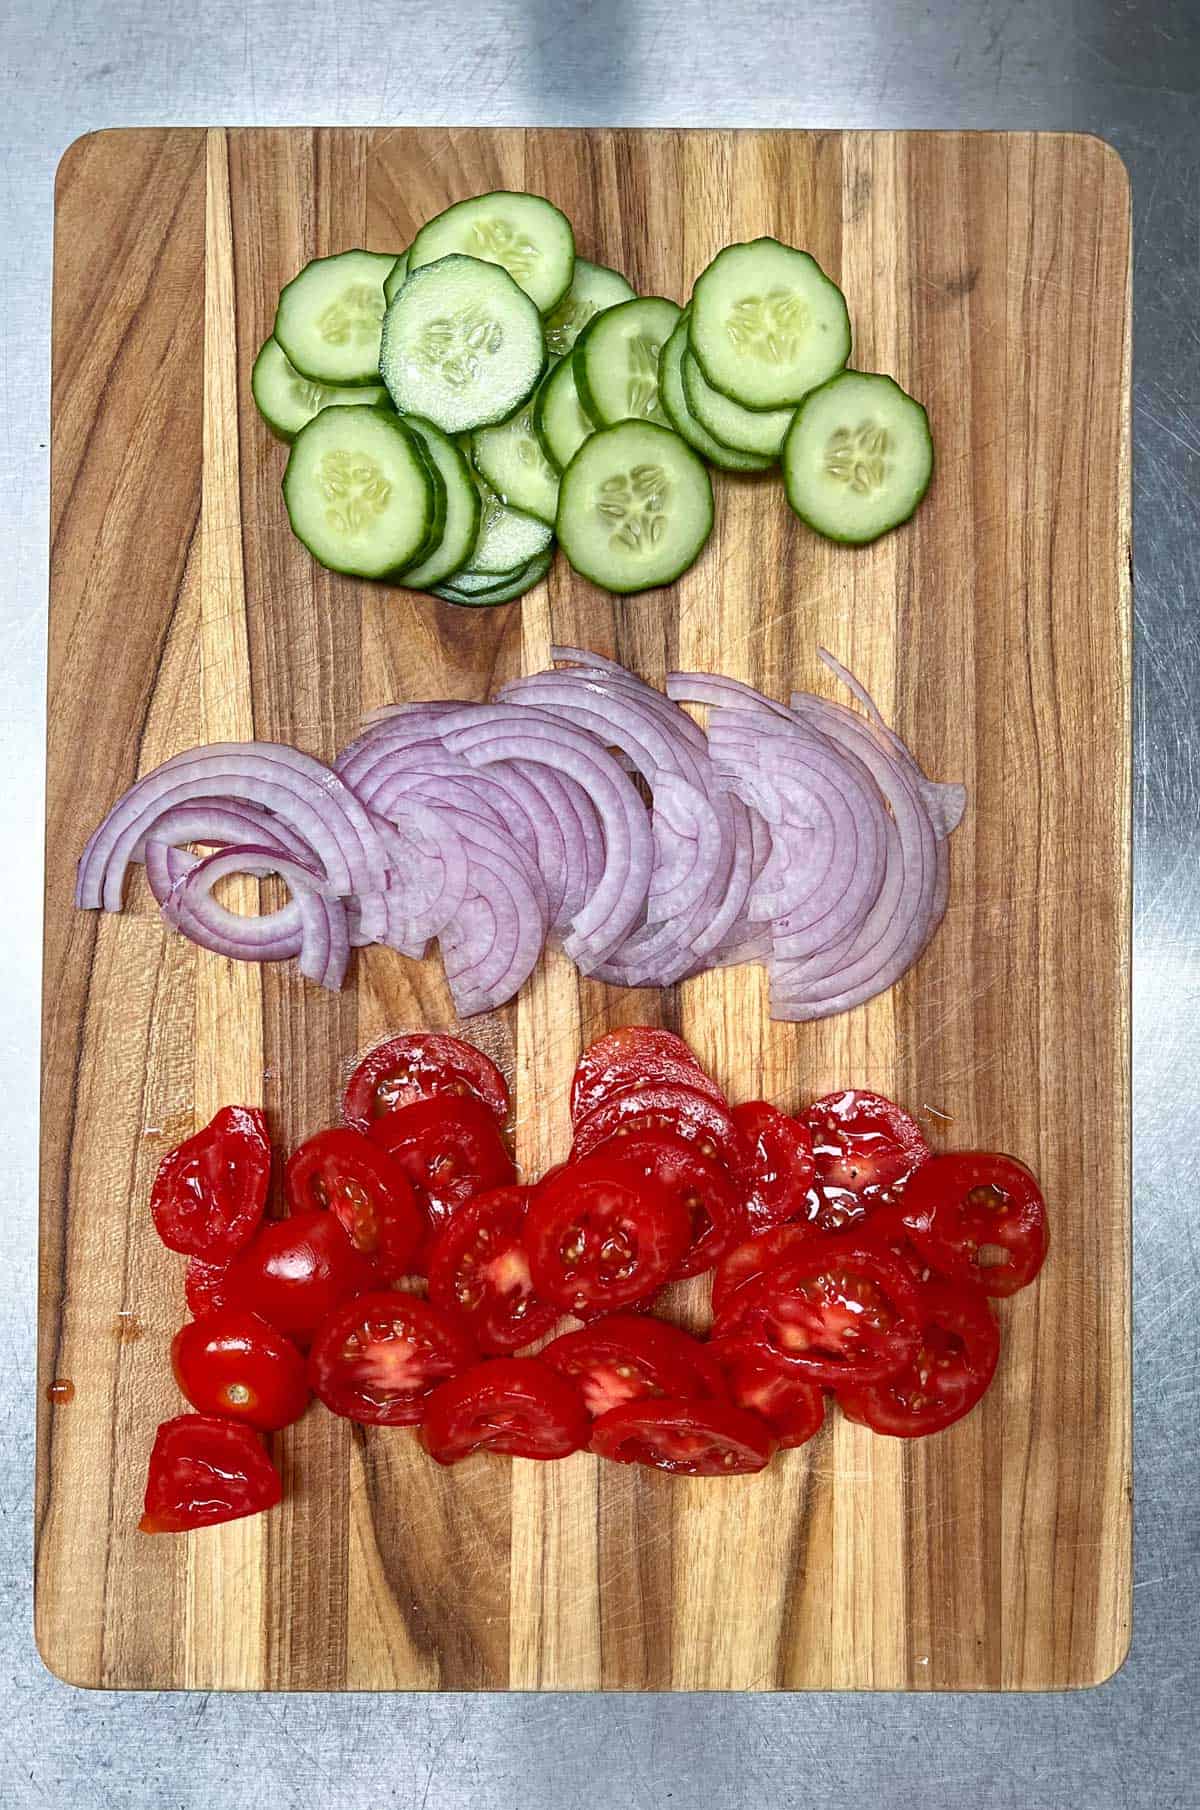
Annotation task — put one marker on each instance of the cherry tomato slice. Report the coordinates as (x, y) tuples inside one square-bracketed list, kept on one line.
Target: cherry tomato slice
[(601, 1233), (954, 1363), (296, 1271), (209, 1193), (685, 1112), (623, 1358), (204, 1286), (792, 1408), (756, 1255), (420, 1066), (512, 1405), (705, 1188), (888, 1230), (778, 1168), (204, 1470), (450, 1149), (687, 1438), (631, 1057), (840, 1310), (478, 1267), (379, 1358), (233, 1363), (352, 1177), (971, 1205), (865, 1148)]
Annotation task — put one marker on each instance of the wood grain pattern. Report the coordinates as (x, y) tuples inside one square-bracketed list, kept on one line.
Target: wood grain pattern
[(990, 274)]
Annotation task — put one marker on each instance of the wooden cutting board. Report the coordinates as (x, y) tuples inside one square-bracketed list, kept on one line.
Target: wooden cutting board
[(991, 275)]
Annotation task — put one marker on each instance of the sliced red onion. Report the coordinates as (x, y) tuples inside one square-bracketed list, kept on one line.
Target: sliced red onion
[(322, 942)]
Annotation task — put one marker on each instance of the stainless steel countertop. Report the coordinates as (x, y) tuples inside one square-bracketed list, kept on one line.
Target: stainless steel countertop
[(1126, 69)]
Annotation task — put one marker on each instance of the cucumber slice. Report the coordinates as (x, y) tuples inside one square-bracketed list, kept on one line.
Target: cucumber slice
[(328, 317), (635, 507), (594, 287), (767, 324), (511, 459), (286, 400), (616, 360), (858, 458), (462, 345), (674, 401), (526, 234), (460, 529), (507, 538), (759, 431), (514, 587), (360, 493), (395, 278), (559, 420)]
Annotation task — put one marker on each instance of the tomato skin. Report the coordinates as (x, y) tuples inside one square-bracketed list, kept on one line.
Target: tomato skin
[(450, 1149), (204, 1470), (686, 1438), (511, 1405), (296, 1271), (866, 1149), (204, 1286), (757, 1255), (421, 1066), (478, 1267), (210, 1191), (348, 1174), (961, 1203), (599, 1233), (623, 1358), (705, 1189), (378, 1358), (792, 1408), (686, 1112), (951, 1371), (778, 1167), (232, 1363), (633, 1056)]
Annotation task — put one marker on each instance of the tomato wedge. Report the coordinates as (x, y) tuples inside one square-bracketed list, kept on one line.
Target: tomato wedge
[(379, 1358), (623, 1358), (203, 1471), (352, 1177), (421, 1066), (234, 1363), (951, 1370), (970, 1206), (841, 1310), (512, 1405), (478, 1267), (777, 1165), (204, 1286), (756, 1255), (792, 1408), (450, 1149), (866, 1149), (209, 1193), (296, 1271), (601, 1233), (686, 1112), (634, 1056), (704, 1187), (687, 1438)]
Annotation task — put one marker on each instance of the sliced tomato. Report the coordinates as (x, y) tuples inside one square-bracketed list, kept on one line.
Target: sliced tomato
[(234, 1363), (777, 1166), (841, 1310), (450, 1149), (602, 1233), (888, 1229), (209, 1193), (792, 1408), (705, 1188), (633, 1056), (422, 1065), (866, 1149), (379, 1358), (979, 1217), (478, 1267), (203, 1471), (514, 1405), (624, 1358), (953, 1365), (687, 1438), (351, 1176), (204, 1286), (686, 1112), (755, 1255), (296, 1271)]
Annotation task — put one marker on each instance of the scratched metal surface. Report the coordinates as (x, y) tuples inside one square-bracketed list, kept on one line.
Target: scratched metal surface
[(1127, 69)]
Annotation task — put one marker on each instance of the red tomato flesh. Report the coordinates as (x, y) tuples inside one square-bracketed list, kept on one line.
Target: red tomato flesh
[(233, 1363), (623, 1358), (204, 1286), (866, 1149), (705, 1189), (686, 1112), (949, 1373), (792, 1408), (479, 1268), (379, 1358), (349, 1175), (512, 1405), (601, 1233), (203, 1471), (450, 1149), (209, 1193), (633, 1056), (972, 1206), (687, 1438), (421, 1066), (777, 1166), (296, 1271), (756, 1255)]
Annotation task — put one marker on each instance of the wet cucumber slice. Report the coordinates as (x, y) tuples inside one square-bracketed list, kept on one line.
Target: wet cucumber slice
[(466, 590), (328, 319), (635, 507), (460, 529), (526, 234), (361, 494), (594, 287), (674, 401), (559, 420), (286, 400), (858, 457), (616, 360), (462, 344), (395, 278), (510, 458), (507, 539), (767, 324), (758, 431)]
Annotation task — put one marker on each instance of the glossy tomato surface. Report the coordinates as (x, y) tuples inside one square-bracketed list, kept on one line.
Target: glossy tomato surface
[(601, 1234), (232, 1362), (979, 1217), (687, 1438), (625, 1358), (634, 1056), (203, 1471), (512, 1405), (379, 1358), (421, 1066), (478, 1266), (754, 1255), (793, 1408), (866, 1149), (296, 1271), (948, 1374), (350, 1175), (204, 1286), (682, 1111), (450, 1149), (704, 1187), (209, 1193), (777, 1165)]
